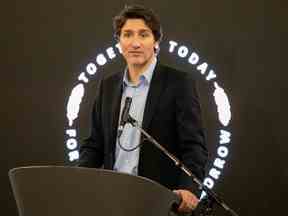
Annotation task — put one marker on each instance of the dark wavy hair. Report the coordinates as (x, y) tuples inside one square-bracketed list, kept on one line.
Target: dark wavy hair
[(138, 12)]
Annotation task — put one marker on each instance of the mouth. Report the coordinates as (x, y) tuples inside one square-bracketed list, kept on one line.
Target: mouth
[(135, 52)]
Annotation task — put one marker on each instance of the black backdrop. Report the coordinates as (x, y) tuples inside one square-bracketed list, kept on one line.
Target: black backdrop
[(45, 44)]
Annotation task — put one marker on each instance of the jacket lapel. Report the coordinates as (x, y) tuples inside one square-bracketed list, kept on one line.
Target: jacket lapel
[(113, 101), (156, 88)]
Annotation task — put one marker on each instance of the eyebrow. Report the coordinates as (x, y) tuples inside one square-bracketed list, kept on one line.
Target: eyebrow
[(140, 30)]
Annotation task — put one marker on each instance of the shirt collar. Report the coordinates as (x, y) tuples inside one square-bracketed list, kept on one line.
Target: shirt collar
[(145, 77)]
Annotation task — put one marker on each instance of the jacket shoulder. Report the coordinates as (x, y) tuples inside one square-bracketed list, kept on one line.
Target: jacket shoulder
[(176, 75)]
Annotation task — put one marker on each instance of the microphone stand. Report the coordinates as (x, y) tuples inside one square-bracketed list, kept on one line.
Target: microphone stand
[(212, 196)]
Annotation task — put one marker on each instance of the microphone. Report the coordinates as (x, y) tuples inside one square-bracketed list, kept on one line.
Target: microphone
[(124, 115)]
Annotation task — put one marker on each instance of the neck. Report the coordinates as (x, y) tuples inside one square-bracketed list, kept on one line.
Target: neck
[(135, 71)]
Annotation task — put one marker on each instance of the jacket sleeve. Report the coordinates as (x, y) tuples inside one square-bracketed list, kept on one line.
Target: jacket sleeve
[(92, 149), (191, 136)]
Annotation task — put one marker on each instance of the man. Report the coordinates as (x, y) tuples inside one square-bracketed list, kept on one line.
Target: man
[(164, 102)]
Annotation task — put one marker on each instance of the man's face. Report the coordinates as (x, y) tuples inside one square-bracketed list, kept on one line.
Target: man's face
[(137, 42)]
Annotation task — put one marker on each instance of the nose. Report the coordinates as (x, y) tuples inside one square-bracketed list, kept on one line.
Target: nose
[(135, 43)]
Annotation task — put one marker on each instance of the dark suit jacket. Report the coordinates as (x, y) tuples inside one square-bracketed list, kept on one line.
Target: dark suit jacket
[(172, 116)]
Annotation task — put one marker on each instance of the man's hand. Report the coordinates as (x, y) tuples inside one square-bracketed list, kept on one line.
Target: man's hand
[(188, 201)]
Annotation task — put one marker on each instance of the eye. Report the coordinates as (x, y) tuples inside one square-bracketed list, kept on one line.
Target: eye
[(145, 34), (127, 34)]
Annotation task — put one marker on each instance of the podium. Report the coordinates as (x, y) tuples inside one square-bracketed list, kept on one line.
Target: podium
[(75, 191)]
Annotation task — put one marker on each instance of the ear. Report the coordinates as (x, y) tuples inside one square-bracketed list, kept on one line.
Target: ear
[(156, 45)]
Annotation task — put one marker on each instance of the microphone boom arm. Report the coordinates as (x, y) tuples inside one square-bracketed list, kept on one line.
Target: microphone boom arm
[(211, 194)]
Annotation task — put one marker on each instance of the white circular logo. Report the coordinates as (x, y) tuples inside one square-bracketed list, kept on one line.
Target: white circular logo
[(179, 51)]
